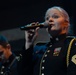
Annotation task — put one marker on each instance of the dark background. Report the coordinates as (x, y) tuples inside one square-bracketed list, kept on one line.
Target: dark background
[(17, 13)]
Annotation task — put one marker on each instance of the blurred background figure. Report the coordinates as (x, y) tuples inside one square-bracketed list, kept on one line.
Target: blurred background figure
[(8, 61)]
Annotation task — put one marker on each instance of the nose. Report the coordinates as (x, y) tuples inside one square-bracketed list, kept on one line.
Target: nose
[(50, 19)]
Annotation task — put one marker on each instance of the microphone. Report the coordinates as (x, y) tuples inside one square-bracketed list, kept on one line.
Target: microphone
[(33, 26)]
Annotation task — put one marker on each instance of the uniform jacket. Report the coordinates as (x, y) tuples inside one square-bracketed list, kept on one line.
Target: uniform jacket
[(50, 58), (9, 67)]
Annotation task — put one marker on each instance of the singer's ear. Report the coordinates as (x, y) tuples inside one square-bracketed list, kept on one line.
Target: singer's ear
[(66, 23)]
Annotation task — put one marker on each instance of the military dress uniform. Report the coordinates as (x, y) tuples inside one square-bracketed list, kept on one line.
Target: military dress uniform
[(51, 58)]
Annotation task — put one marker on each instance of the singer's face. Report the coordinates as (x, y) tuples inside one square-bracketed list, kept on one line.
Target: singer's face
[(56, 21)]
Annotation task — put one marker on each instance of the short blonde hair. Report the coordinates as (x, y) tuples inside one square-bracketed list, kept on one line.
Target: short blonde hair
[(61, 10)]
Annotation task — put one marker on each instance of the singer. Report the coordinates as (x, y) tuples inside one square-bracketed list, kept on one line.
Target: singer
[(56, 57)]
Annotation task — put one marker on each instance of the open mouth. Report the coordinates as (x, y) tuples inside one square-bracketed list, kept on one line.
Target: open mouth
[(51, 24)]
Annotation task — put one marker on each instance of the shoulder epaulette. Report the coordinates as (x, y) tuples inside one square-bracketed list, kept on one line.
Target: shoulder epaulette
[(69, 48)]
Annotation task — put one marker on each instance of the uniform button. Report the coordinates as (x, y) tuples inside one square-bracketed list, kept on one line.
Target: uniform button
[(2, 72), (57, 39), (43, 61), (3, 67), (42, 67), (45, 55), (48, 51), (50, 46), (42, 73)]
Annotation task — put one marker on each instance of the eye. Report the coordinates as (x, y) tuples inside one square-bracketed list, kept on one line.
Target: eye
[(46, 18), (55, 16)]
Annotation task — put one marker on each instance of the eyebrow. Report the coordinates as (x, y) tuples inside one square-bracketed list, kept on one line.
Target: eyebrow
[(56, 13), (53, 14)]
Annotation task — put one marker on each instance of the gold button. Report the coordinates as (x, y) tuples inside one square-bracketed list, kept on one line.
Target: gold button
[(42, 67), (45, 55), (43, 61), (48, 51)]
